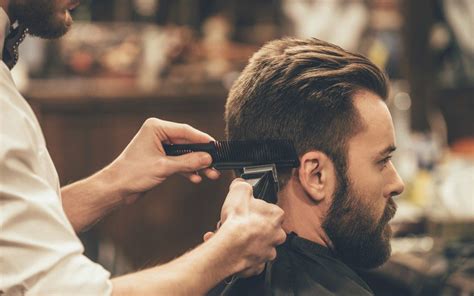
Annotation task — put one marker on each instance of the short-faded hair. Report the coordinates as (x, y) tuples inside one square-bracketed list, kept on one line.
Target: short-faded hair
[(302, 90)]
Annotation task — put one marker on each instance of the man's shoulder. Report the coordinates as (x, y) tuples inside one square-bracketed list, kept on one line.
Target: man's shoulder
[(18, 123), (314, 273), (298, 272)]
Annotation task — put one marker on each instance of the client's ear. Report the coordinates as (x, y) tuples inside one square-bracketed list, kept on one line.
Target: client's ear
[(316, 174)]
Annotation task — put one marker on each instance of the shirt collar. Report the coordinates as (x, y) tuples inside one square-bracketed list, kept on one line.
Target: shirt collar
[(11, 40), (4, 29)]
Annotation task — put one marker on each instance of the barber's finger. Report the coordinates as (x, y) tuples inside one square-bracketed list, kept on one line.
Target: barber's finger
[(186, 163), (240, 193), (196, 177), (281, 237), (239, 184), (180, 133), (269, 209), (212, 174), (193, 177), (207, 236)]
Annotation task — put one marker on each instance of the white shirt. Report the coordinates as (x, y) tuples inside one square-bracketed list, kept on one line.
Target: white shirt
[(40, 253)]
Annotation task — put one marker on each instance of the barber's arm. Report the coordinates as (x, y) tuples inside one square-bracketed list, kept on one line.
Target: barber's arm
[(247, 238), (244, 242), (141, 166)]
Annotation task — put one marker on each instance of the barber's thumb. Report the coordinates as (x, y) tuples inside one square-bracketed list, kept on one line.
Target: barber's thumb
[(190, 162)]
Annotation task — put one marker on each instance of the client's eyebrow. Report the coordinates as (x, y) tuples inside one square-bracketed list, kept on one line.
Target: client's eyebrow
[(387, 150)]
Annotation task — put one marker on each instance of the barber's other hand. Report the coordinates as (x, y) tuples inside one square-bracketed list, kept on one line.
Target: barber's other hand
[(254, 226), (143, 164)]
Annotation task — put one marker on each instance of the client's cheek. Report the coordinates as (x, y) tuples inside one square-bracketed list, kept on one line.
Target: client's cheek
[(379, 208), (374, 209)]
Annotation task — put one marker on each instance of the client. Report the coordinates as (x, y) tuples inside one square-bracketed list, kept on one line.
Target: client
[(331, 104)]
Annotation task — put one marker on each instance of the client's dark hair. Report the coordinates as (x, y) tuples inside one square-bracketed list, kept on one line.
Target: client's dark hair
[(302, 90)]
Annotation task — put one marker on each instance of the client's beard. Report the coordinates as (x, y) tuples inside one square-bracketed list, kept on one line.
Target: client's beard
[(358, 239)]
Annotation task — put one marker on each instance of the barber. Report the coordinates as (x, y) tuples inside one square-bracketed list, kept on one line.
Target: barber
[(40, 253)]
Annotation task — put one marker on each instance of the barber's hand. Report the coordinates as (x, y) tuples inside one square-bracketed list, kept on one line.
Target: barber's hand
[(143, 164), (257, 225)]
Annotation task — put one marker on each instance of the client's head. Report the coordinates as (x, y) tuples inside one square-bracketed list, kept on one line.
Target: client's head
[(331, 104)]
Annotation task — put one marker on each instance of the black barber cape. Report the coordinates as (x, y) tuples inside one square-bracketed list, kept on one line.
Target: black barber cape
[(301, 268)]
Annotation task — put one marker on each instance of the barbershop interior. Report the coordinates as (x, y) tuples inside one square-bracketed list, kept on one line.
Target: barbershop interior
[(125, 61)]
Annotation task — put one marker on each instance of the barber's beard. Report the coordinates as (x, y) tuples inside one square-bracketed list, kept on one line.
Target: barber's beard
[(43, 18), (358, 239)]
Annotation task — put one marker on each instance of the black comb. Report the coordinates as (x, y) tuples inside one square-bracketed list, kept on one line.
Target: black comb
[(228, 155)]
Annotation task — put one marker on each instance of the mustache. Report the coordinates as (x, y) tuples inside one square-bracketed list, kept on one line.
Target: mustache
[(390, 210)]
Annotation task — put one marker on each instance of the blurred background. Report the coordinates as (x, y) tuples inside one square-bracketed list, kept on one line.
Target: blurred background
[(127, 60)]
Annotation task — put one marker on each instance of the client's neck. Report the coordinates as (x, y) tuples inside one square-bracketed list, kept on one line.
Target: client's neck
[(302, 215)]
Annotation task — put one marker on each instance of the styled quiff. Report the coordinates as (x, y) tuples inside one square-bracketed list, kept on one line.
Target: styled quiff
[(302, 90)]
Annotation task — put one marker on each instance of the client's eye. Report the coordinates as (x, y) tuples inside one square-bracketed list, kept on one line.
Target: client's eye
[(385, 161)]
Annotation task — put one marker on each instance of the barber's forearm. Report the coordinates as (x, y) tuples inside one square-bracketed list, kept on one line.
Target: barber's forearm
[(88, 200), (194, 273)]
